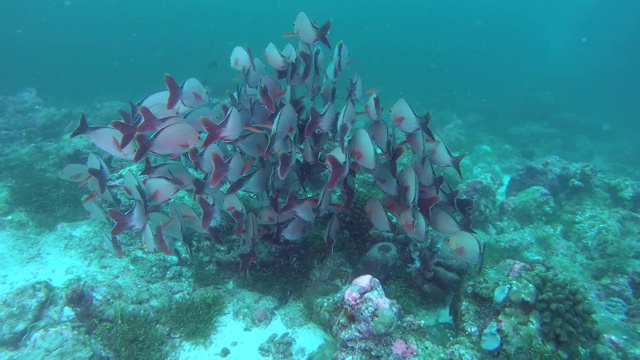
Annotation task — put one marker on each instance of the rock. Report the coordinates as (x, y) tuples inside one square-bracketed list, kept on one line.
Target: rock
[(380, 260), (533, 205), (553, 174), (20, 310)]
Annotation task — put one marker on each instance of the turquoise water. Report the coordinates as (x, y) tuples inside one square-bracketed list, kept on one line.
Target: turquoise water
[(444, 52)]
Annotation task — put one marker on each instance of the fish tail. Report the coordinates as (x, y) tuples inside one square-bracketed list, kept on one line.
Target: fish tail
[(161, 242), (128, 132), (144, 145), (175, 92), (121, 221), (214, 131), (149, 121), (207, 212), (456, 163), (323, 32), (220, 169), (82, 128)]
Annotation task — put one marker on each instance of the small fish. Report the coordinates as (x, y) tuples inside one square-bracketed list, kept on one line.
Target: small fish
[(338, 166), (241, 59), (228, 130), (386, 180), (106, 138), (354, 88), (407, 120), (413, 224), (322, 121), (161, 241), (309, 32), (160, 189), (443, 222), (134, 219), (76, 172), (97, 168), (465, 247), (174, 139), (173, 170), (341, 56), (190, 92), (275, 58), (231, 169), (442, 156), (378, 215), (330, 235), (408, 183), (362, 150), (372, 108)]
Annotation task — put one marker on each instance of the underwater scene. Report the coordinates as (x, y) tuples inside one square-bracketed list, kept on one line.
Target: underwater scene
[(319, 180)]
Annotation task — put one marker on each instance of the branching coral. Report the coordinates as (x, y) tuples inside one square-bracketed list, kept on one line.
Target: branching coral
[(565, 312)]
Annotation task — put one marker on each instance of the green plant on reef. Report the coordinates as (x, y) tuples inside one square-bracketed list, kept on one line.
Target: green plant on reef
[(132, 335), (46, 200), (195, 318), (401, 289), (288, 275), (358, 225), (565, 312)]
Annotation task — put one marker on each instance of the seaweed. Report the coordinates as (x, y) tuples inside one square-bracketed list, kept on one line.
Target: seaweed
[(133, 335), (194, 319)]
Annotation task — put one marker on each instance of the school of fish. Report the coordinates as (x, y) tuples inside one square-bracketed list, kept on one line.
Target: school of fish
[(284, 139)]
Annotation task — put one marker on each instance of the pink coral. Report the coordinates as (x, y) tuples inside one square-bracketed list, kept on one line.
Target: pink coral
[(517, 269), (401, 348), (359, 286)]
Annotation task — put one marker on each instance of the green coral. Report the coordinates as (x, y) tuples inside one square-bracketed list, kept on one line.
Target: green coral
[(565, 312), (384, 321), (133, 335), (194, 318)]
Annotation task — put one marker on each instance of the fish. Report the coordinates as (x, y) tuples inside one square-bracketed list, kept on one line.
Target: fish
[(284, 125), (443, 222), (322, 121), (465, 247), (231, 169), (309, 32), (354, 88), (338, 165), (76, 172), (190, 92), (229, 130), (160, 189), (341, 57), (330, 235), (407, 120), (105, 138), (97, 168), (133, 220), (362, 150), (413, 224), (378, 216), (372, 108), (274, 147), (172, 170), (275, 58), (174, 139), (241, 59), (442, 156)]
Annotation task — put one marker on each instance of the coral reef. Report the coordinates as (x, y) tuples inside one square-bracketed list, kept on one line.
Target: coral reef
[(566, 313)]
